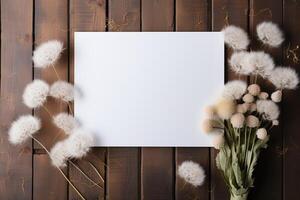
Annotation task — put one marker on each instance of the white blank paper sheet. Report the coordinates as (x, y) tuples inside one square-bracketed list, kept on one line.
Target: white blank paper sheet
[(147, 88)]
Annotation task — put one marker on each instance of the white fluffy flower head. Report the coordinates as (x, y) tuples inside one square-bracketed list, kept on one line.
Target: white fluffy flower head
[(268, 109), (192, 173), (262, 63), (23, 128), (62, 90), (79, 143), (235, 37), (234, 89), (47, 53), (270, 34), (65, 122), (35, 93), (59, 154), (238, 63), (284, 78)]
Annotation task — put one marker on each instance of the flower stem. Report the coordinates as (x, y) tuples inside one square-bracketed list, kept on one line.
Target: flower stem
[(66, 178), (56, 73)]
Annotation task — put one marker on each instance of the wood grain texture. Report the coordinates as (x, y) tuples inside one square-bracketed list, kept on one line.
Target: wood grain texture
[(290, 106), (16, 72), (48, 182), (157, 164), (86, 16), (268, 186), (123, 173), (193, 15), (224, 12), (51, 22)]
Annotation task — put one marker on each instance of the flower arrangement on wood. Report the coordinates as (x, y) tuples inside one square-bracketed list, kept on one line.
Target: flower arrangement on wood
[(241, 119), (78, 141)]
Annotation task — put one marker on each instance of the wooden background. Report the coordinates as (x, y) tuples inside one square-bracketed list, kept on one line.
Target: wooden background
[(135, 173)]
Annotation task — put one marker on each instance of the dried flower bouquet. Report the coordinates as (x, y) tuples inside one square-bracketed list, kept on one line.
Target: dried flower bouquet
[(242, 117)]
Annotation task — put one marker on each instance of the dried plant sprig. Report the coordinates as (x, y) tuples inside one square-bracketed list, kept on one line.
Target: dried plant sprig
[(192, 173), (35, 93)]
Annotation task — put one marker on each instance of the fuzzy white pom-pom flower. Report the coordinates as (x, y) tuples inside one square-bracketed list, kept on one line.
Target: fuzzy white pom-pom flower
[(276, 96), (35, 93), (234, 89), (192, 173), (263, 96), (79, 143), (59, 154), (225, 108), (254, 89), (261, 133), (62, 90), (252, 121), (237, 120), (238, 63), (269, 33), (47, 53), (23, 128), (268, 109), (262, 63), (65, 122), (235, 37), (284, 78)]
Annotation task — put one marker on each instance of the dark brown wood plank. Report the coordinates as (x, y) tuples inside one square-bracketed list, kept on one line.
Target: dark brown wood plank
[(224, 13), (157, 164), (48, 182), (51, 22), (123, 163), (267, 185), (16, 72), (290, 108), (86, 16), (193, 15)]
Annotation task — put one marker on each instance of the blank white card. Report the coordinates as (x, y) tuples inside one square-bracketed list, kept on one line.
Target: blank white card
[(147, 88)]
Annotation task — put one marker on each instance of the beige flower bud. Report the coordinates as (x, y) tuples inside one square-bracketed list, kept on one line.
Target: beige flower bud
[(275, 122), (225, 108), (263, 95), (218, 141), (209, 111), (252, 121), (252, 107), (276, 96), (254, 89), (248, 98), (237, 120), (261, 133)]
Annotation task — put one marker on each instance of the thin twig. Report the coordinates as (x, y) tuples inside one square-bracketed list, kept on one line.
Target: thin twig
[(84, 174), (96, 171), (56, 73), (59, 168), (70, 108), (46, 109)]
